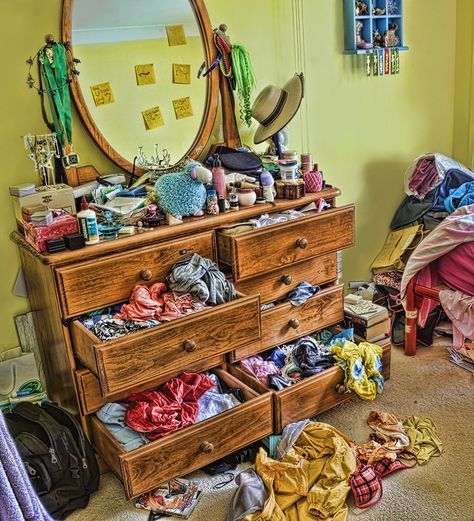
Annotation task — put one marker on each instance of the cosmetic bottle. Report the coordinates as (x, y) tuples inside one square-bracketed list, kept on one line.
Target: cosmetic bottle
[(218, 177), (88, 223)]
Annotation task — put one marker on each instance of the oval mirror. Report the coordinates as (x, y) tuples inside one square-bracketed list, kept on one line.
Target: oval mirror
[(139, 66)]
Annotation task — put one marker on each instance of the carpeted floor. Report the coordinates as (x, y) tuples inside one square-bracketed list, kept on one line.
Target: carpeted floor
[(427, 385)]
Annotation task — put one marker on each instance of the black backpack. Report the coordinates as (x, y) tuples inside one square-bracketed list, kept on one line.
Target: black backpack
[(58, 458)]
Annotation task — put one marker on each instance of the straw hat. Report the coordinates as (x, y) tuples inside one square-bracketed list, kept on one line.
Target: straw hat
[(274, 107)]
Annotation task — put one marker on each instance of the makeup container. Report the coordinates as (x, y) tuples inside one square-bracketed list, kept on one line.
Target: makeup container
[(247, 197)]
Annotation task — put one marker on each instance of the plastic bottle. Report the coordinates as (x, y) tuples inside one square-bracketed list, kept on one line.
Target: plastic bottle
[(218, 177), (88, 223)]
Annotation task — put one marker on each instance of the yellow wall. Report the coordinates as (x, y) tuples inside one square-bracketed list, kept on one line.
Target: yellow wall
[(463, 149), (363, 131), (122, 121)]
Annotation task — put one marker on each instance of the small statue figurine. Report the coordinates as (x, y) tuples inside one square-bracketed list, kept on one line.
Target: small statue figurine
[(360, 42), (391, 39), (361, 9), (377, 38), (376, 11)]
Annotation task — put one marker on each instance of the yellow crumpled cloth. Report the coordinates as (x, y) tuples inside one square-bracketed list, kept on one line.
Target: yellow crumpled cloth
[(312, 480), (362, 365), (424, 440)]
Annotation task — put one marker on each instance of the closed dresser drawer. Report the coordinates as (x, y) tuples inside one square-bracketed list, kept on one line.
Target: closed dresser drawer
[(92, 285), (270, 248), (285, 322), (143, 356), (276, 284), (310, 396), (188, 449)]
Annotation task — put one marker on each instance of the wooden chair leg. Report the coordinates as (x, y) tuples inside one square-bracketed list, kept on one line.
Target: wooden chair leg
[(411, 316)]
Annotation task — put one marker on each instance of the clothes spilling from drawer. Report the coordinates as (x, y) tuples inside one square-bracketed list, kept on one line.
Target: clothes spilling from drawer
[(194, 284), (266, 219), (288, 364), (182, 401)]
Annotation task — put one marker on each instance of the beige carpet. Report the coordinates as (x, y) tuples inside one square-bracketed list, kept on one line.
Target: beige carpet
[(426, 385)]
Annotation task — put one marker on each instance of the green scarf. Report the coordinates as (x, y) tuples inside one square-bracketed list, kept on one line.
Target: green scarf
[(55, 80), (245, 80)]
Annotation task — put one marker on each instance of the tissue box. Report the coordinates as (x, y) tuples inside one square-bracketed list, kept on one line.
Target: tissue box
[(63, 224), (54, 197)]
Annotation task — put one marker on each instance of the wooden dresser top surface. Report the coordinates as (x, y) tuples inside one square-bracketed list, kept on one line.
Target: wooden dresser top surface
[(163, 233)]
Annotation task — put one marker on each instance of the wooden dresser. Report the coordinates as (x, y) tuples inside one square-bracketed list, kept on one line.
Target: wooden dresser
[(84, 373)]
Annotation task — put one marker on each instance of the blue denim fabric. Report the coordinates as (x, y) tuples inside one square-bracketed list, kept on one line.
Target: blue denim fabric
[(112, 416)]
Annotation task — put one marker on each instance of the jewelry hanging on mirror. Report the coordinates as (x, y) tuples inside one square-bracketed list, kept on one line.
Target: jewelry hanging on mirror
[(56, 69), (43, 148)]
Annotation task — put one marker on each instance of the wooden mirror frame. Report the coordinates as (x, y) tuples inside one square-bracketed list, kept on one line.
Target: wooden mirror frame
[(212, 91)]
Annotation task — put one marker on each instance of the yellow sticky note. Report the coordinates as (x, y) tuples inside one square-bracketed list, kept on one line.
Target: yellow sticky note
[(102, 94), (153, 118), (145, 74), (183, 107), (176, 35), (181, 73)]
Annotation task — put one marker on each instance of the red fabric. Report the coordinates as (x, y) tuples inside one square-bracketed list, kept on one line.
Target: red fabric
[(386, 466), (155, 302), (456, 268), (366, 486), (63, 224), (171, 407), (424, 177)]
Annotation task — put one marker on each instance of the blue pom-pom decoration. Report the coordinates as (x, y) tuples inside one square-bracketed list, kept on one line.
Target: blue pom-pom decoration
[(179, 195)]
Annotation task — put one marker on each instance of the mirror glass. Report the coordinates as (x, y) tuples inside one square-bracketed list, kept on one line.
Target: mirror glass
[(138, 73)]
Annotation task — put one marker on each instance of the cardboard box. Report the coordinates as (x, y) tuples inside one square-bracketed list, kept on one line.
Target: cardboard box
[(54, 197)]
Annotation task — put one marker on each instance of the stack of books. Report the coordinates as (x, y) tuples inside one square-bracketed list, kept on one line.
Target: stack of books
[(370, 321)]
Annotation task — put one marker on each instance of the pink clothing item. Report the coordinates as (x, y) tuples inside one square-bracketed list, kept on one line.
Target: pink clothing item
[(456, 268), (460, 310), (258, 367), (424, 178), (455, 230), (155, 302)]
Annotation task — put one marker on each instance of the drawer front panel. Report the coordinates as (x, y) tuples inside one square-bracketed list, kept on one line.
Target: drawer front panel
[(309, 397), (96, 284), (90, 394), (142, 357), (276, 284), (285, 322), (317, 394), (270, 248), (189, 449)]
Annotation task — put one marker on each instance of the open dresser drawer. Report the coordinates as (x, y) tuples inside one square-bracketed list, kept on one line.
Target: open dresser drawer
[(310, 396), (270, 248), (91, 285), (190, 448), (285, 322), (141, 357)]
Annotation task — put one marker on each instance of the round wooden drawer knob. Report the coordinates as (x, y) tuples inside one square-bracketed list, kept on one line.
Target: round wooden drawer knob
[(294, 323), (340, 388), (287, 280), (146, 274), (302, 243), (189, 346), (207, 447)]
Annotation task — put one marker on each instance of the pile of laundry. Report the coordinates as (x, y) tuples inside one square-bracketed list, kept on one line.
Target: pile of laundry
[(432, 240), (194, 284), (315, 467), (288, 364), (182, 401)]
